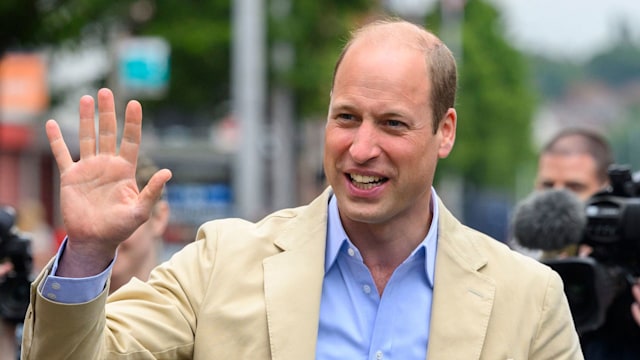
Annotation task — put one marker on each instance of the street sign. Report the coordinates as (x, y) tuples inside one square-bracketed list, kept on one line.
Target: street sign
[(143, 66)]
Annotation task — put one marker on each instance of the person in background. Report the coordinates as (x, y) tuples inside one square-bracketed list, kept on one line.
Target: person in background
[(635, 307), (375, 267), (31, 220), (577, 159), (142, 251), (25, 244), (8, 339)]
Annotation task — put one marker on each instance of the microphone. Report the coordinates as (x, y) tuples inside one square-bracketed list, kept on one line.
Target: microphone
[(549, 220)]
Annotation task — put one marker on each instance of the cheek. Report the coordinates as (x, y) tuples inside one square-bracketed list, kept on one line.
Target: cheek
[(335, 141), (139, 241), (420, 159)]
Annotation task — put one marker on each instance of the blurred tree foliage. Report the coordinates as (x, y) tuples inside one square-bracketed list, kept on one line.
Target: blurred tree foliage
[(495, 103), (615, 67), (495, 100), (199, 33), (552, 78), (619, 65), (29, 24), (317, 30)]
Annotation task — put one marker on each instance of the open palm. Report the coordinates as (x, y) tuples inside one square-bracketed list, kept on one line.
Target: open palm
[(100, 201)]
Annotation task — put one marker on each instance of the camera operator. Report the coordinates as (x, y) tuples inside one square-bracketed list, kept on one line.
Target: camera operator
[(16, 268), (635, 307), (8, 342), (578, 159)]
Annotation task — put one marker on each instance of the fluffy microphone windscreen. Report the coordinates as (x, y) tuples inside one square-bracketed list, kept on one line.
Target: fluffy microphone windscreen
[(549, 220)]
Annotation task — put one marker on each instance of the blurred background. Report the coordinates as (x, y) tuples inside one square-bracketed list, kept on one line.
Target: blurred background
[(235, 94)]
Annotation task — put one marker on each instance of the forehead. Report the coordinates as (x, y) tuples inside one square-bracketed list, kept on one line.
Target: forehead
[(383, 69), (567, 166)]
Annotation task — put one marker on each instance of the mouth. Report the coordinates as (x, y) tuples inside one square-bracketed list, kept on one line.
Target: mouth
[(366, 182)]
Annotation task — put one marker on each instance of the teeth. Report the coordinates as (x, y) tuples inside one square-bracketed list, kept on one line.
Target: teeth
[(365, 179)]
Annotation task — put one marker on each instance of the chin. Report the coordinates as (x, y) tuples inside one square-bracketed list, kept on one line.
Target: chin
[(364, 214)]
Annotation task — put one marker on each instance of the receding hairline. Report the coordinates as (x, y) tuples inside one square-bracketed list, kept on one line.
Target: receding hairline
[(438, 58), (399, 31), (582, 141)]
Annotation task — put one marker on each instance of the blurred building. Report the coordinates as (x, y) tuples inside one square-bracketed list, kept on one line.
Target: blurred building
[(25, 168)]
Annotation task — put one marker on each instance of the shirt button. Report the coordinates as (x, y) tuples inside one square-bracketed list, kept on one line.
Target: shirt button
[(366, 289), (379, 355), (351, 252), (55, 286), (51, 296)]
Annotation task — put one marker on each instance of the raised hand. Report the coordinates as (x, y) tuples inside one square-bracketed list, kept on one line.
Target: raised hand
[(635, 307), (100, 201)]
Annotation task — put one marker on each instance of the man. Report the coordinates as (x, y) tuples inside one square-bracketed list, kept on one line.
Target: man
[(8, 343), (375, 267), (575, 159), (141, 252), (578, 159), (635, 307)]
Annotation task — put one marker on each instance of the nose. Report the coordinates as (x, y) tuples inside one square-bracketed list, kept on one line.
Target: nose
[(365, 143)]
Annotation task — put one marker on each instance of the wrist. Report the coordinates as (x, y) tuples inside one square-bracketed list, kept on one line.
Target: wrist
[(79, 260)]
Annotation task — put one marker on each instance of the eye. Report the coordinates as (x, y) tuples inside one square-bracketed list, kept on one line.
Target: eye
[(345, 116), (395, 123), (577, 188), (545, 185)]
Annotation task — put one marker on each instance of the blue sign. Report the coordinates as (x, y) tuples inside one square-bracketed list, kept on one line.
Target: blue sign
[(198, 203), (144, 66)]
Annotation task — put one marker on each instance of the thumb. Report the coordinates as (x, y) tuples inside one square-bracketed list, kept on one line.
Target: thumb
[(153, 190)]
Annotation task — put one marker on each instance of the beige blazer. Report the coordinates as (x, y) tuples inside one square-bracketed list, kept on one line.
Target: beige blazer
[(252, 291)]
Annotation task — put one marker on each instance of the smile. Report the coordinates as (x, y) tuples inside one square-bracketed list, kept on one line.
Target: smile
[(365, 182)]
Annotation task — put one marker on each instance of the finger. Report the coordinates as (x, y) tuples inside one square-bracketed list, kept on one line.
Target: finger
[(107, 133), (132, 132), (635, 311), (153, 190), (58, 146), (636, 292), (87, 134)]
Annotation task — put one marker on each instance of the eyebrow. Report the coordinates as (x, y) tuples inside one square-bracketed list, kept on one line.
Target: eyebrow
[(349, 107)]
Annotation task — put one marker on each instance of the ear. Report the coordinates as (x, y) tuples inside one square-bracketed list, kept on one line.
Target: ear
[(160, 217), (447, 130)]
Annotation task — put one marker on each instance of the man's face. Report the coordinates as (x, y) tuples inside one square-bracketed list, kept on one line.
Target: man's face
[(572, 171), (380, 149)]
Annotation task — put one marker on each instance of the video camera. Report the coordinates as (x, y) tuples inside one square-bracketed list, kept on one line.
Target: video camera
[(598, 287), (15, 247)]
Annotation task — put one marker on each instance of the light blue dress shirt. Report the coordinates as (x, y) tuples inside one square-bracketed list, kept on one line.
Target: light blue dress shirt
[(355, 321), (73, 290)]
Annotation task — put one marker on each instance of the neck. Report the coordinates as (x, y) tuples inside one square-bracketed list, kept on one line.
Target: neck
[(384, 246)]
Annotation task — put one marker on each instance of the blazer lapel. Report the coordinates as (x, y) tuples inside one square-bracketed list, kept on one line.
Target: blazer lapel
[(463, 297), (293, 284)]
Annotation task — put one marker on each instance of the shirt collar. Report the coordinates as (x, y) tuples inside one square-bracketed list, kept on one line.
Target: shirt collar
[(337, 237)]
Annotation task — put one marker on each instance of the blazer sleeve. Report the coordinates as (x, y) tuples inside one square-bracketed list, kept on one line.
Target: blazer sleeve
[(152, 320), (55, 333)]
